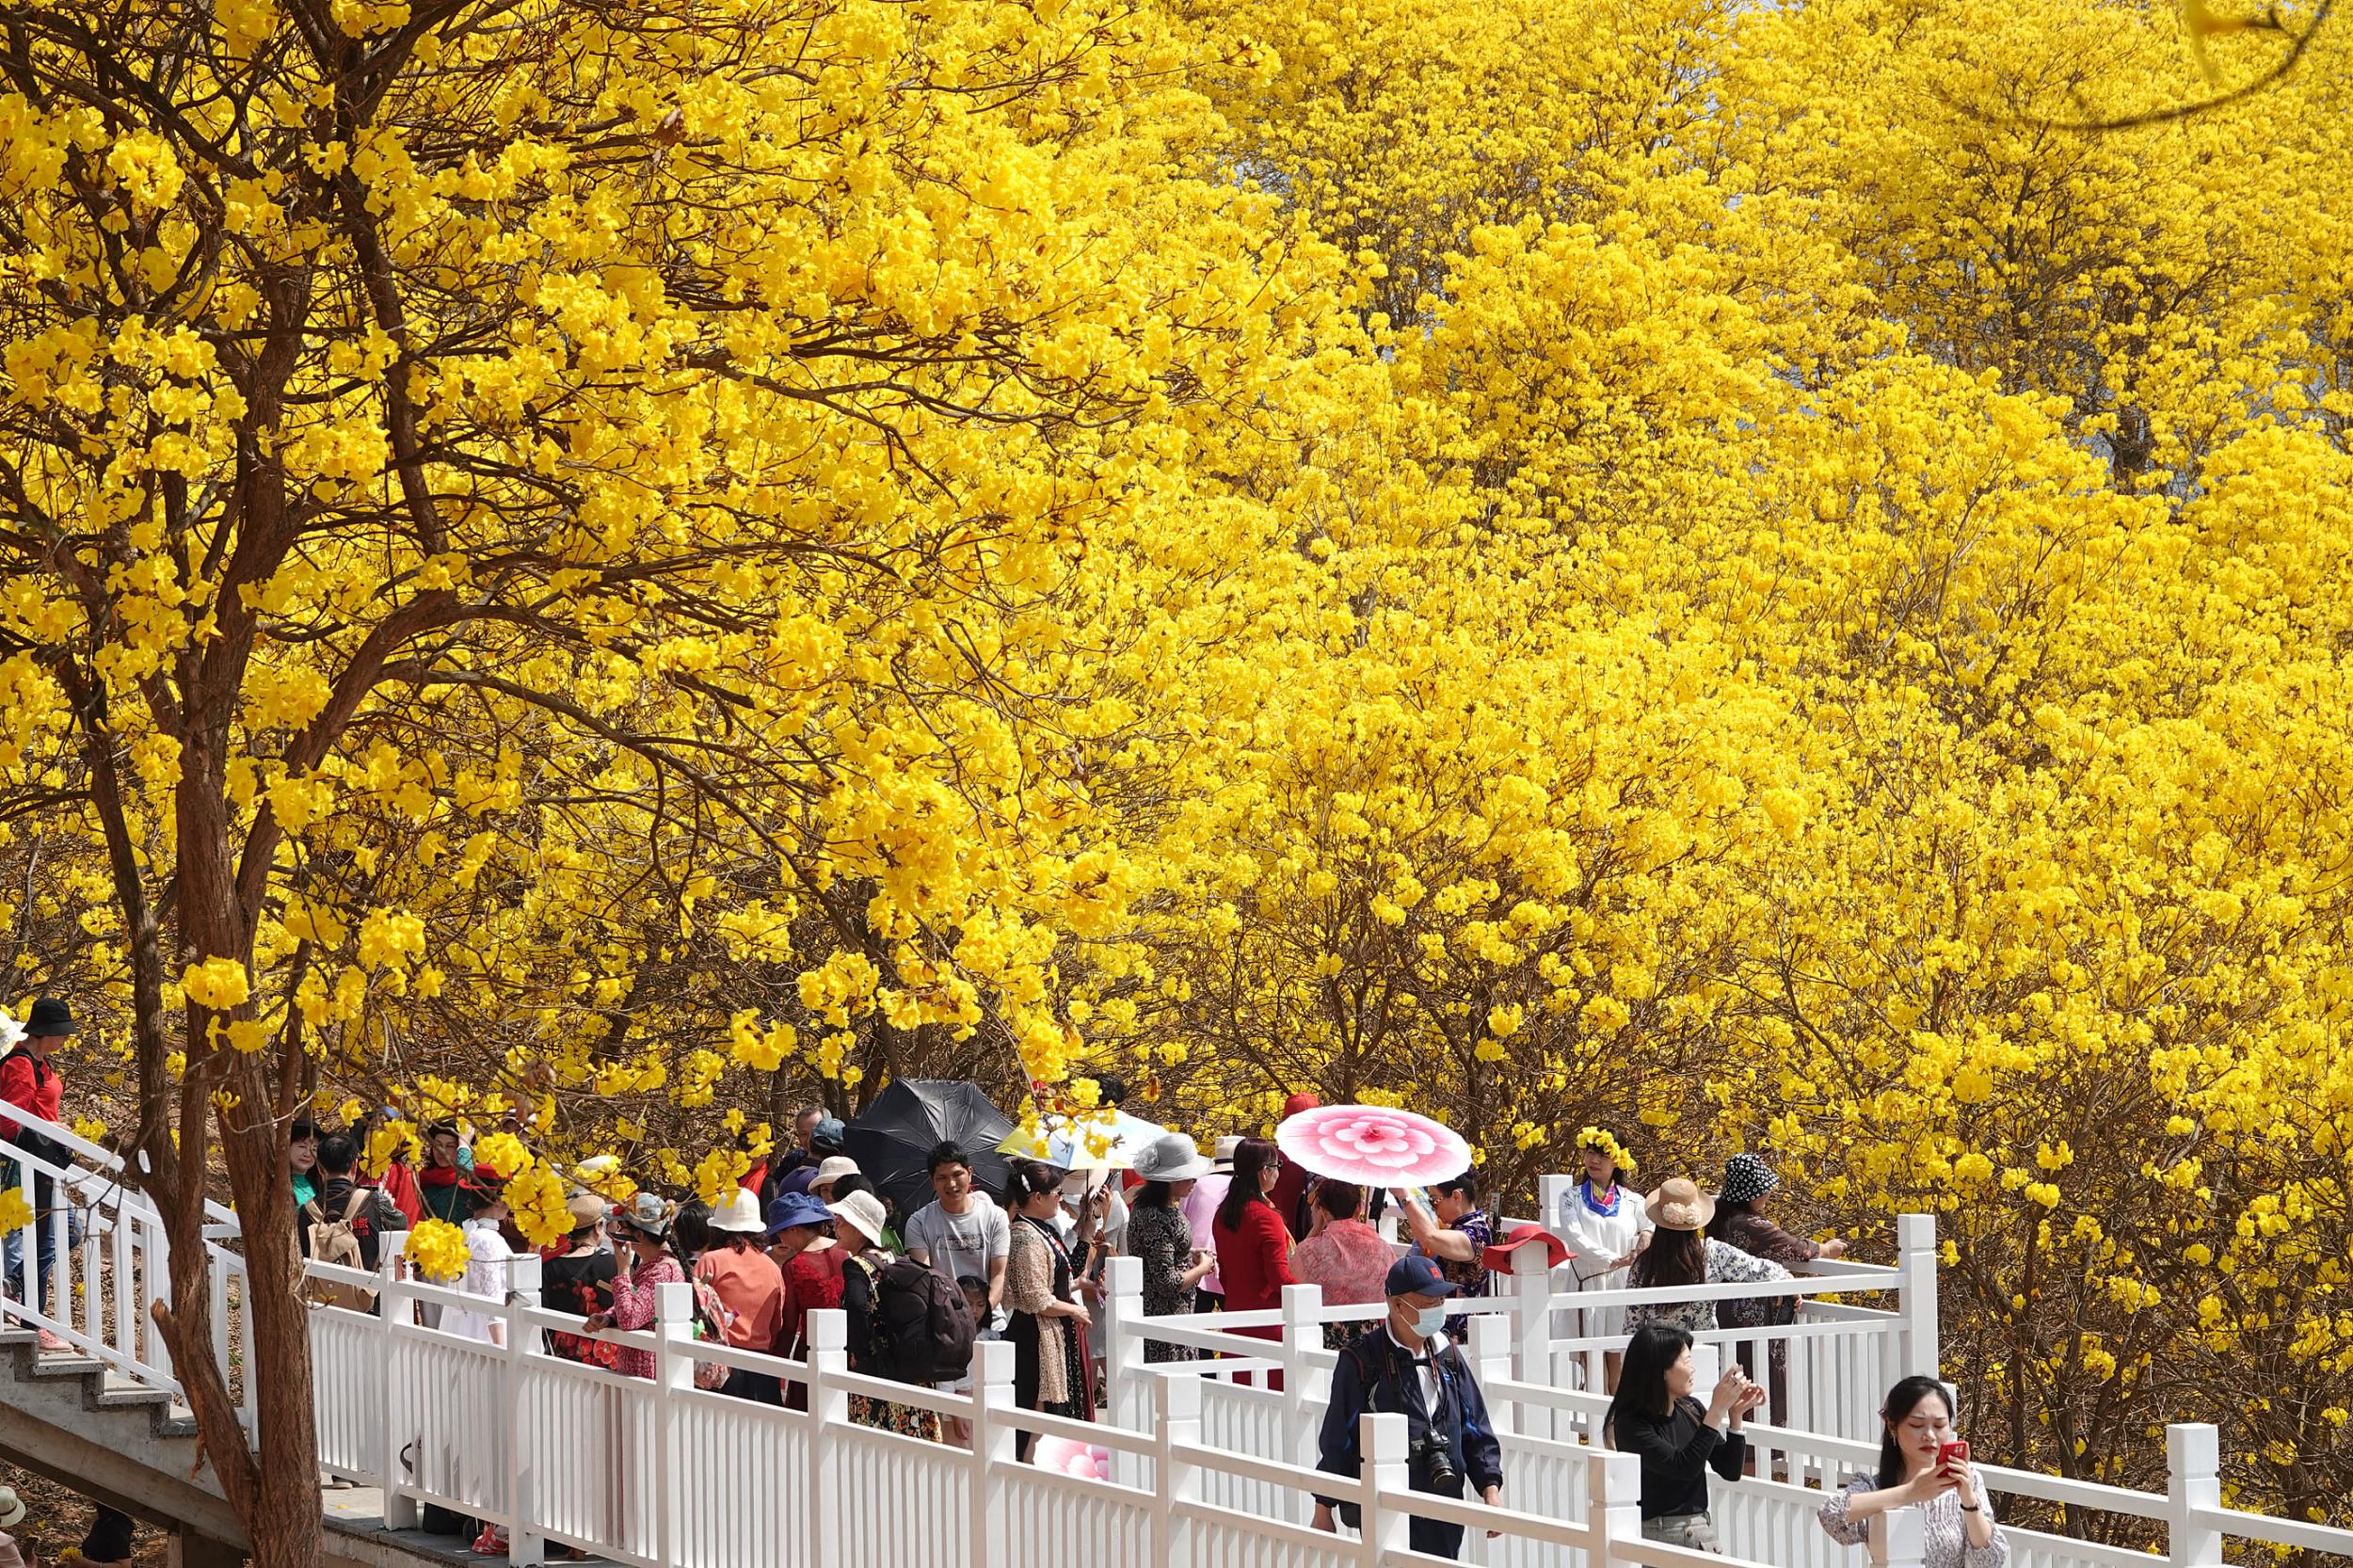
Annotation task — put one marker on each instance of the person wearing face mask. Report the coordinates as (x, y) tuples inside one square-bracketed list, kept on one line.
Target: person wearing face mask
[(1406, 1365)]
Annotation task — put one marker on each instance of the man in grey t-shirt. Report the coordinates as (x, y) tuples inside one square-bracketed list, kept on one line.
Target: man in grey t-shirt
[(961, 1233)]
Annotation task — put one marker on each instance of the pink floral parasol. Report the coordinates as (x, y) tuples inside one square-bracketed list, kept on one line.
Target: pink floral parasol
[(1085, 1461), (1375, 1145)]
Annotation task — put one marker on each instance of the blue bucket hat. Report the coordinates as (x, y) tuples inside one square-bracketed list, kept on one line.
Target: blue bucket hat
[(795, 1208), (1416, 1275)]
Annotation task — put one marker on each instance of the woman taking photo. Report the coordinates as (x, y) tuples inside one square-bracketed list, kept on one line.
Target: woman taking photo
[(1957, 1518), (1654, 1415), (1677, 1255), (1158, 1235), (641, 1232), (1047, 1326)]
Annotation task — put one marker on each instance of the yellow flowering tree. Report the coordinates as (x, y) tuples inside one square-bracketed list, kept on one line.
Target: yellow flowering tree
[(500, 501)]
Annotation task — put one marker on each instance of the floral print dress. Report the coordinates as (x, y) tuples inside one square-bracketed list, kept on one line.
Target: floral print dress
[(633, 1297), (1944, 1532), (1726, 1265), (1163, 1239)]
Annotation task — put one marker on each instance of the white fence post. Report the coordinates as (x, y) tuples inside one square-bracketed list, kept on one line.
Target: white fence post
[(525, 1546), (1125, 1396), (1907, 1537), (1532, 1326), (396, 1311), (1553, 1196), (1177, 1480), (673, 1374), (1306, 1389), (1916, 1262), (2193, 1457), (1491, 1349), (1381, 1443), (1614, 1502), (828, 1410), (60, 1223), (994, 1439)]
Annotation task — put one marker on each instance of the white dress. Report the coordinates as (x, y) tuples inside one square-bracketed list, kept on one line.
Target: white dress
[(488, 1273), (1599, 1238)]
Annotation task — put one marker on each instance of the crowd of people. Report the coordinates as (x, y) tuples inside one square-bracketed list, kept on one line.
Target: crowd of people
[(1219, 1232)]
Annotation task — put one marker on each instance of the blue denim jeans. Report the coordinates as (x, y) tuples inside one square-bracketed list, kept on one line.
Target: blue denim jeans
[(44, 1246)]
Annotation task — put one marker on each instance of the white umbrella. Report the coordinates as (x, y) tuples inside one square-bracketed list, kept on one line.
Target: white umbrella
[(1071, 1145)]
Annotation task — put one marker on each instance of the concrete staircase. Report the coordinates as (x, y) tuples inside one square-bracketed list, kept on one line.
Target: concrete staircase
[(114, 1441), (133, 1448)]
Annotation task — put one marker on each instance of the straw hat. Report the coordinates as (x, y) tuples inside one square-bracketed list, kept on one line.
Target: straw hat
[(1679, 1205), (863, 1212), (586, 1209), (1223, 1162), (11, 1508)]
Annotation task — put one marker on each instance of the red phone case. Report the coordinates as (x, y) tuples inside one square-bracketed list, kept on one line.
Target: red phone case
[(1948, 1452)]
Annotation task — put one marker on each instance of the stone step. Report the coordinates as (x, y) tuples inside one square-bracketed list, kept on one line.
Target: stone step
[(66, 1366), (117, 1392)]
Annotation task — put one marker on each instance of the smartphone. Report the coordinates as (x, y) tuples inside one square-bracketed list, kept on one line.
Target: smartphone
[(1947, 1454)]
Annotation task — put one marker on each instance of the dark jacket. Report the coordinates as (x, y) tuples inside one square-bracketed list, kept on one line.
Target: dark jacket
[(1677, 1451), (369, 1222), (1378, 1374)]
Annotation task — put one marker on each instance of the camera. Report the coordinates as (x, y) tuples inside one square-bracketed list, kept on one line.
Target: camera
[(1430, 1463)]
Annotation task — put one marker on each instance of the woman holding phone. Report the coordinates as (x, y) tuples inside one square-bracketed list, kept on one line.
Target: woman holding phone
[(1656, 1415), (1921, 1465)]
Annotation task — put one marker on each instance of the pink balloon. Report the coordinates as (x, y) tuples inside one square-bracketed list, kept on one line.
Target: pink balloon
[(1087, 1461)]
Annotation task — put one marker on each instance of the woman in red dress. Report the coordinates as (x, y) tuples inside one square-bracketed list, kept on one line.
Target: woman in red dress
[(801, 1242), (1254, 1245)]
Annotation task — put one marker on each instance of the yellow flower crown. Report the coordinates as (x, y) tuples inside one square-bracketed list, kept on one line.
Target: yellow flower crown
[(1594, 1137)]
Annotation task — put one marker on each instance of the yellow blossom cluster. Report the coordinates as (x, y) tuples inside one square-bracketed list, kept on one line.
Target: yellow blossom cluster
[(1710, 571)]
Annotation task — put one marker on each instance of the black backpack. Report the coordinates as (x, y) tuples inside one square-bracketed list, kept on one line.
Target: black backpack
[(39, 1145), (921, 1330)]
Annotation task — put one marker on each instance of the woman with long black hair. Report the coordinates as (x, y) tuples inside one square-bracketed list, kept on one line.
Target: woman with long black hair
[(1915, 1471), (1679, 1255), (1655, 1415), (1254, 1245)]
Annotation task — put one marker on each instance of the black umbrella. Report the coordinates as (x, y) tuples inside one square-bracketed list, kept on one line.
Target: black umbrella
[(893, 1136)]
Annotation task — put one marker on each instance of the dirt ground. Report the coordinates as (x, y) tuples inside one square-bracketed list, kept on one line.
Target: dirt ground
[(56, 1519)]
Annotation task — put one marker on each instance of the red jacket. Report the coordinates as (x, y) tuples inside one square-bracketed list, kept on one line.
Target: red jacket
[(400, 1185), (1254, 1260), (30, 1083)]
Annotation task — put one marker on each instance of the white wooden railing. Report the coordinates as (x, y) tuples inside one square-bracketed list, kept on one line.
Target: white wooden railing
[(1208, 1463), (111, 1264), (1544, 1387)]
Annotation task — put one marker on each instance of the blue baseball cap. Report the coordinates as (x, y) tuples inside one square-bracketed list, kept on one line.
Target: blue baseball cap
[(795, 1208), (1416, 1275), (828, 1133)]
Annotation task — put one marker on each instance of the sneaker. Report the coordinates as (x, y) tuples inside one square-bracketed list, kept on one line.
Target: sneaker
[(52, 1345)]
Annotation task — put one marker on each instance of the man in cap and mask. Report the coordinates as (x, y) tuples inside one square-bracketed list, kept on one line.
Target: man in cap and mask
[(1407, 1366)]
